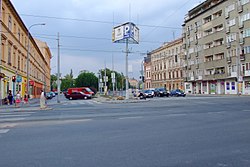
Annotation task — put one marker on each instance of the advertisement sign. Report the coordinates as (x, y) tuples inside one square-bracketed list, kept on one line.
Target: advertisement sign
[(126, 31)]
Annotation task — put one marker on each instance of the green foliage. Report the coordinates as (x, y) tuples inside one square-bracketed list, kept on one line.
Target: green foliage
[(87, 79), (53, 79), (120, 79)]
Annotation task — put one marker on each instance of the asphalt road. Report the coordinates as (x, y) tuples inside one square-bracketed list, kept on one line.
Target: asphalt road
[(162, 132)]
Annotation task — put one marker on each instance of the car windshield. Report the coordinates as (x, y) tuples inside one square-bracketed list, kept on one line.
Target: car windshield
[(89, 90)]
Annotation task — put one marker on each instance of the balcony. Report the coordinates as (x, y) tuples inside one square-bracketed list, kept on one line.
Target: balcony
[(240, 7), (242, 41), (242, 57), (247, 73), (232, 74), (199, 77)]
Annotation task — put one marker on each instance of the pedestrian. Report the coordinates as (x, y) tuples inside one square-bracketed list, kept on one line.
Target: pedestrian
[(10, 97), (42, 100), (18, 99), (26, 98)]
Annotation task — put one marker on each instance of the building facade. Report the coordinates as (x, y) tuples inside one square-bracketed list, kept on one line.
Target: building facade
[(167, 66), (13, 56), (147, 72), (216, 40)]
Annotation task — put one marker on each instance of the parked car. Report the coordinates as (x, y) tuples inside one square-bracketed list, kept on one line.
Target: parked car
[(177, 92), (161, 92), (78, 95), (52, 94), (48, 95), (149, 93)]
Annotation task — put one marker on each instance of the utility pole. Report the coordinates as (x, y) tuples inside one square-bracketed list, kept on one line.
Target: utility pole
[(126, 72), (58, 70), (105, 79), (113, 75)]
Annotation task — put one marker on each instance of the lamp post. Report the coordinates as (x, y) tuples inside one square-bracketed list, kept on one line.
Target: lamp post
[(28, 54)]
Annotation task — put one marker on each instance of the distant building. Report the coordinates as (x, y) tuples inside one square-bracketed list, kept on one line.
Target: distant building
[(133, 83), (165, 68), (147, 72)]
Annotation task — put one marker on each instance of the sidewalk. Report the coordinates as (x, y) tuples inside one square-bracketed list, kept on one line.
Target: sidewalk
[(32, 106)]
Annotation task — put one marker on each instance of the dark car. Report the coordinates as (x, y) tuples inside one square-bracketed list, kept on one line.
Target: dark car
[(78, 95), (48, 96), (178, 92), (161, 92)]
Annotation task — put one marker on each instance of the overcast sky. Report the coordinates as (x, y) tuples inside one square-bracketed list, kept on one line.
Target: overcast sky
[(85, 28)]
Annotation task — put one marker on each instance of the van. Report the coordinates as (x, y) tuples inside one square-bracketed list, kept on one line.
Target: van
[(85, 90)]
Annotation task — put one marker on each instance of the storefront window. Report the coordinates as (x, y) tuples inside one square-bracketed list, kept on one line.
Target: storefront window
[(233, 85), (247, 85), (228, 86)]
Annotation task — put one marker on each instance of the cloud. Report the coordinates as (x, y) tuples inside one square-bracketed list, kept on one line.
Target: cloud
[(93, 20)]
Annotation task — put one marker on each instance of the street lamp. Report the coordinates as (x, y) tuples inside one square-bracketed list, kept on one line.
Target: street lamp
[(28, 54)]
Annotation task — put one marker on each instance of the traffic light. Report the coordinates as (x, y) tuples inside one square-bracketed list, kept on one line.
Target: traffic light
[(13, 78)]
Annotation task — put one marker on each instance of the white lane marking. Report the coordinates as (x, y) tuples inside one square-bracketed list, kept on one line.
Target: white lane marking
[(4, 131), (14, 115), (12, 119), (20, 112), (174, 115), (131, 117)]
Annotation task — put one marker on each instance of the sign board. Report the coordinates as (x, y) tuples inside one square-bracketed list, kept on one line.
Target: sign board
[(105, 79), (240, 78), (19, 78), (113, 75), (127, 31)]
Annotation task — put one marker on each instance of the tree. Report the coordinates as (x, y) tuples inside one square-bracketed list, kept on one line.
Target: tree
[(53, 79), (67, 81), (86, 79), (120, 79)]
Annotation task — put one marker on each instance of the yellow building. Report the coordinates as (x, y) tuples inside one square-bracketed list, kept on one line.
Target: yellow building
[(167, 66), (13, 56)]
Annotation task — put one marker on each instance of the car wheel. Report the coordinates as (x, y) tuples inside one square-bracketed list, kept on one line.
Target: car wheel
[(85, 97), (70, 98)]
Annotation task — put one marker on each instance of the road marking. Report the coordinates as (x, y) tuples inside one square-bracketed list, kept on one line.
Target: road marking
[(14, 115), (131, 117), (11, 119), (4, 131), (174, 115)]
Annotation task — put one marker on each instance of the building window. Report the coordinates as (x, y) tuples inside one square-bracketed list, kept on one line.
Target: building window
[(18, 62), (19, 34), (9, 53), (233, 85), (10, 23)]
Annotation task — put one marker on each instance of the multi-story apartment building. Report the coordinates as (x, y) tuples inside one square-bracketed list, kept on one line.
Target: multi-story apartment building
[(167, 65), (147, 72), (13, 56), (216, 36)]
